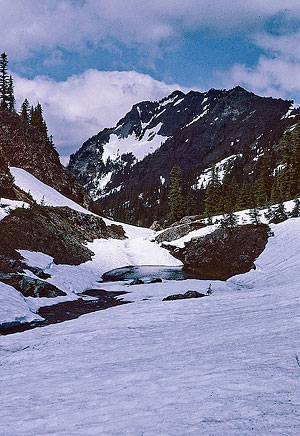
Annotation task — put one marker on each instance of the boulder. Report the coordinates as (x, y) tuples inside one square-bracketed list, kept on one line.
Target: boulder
[(30, 287), (188, 294), (156, 226), (136, 282), (224, 253), (156, 280)]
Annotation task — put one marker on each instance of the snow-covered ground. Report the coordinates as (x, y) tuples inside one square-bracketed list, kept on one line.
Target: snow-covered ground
[(223, 365), (109, 254)]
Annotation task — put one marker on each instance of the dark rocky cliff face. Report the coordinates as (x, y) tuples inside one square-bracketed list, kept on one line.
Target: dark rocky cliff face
[(23, 146), (127, 169)]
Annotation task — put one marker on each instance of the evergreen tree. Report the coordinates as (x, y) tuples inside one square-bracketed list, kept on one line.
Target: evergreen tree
[(213, 198), (11, 95), (25, 110), (254, 216), (176, 203), (288, 178), (229, 221), (277, 193), (244, 197), (276, 214), (4, 81), (263, 185), (230, 195), (190, 203), (38, 121), (295, 212)]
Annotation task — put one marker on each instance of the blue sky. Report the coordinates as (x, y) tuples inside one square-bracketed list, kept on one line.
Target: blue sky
[(88, 61)]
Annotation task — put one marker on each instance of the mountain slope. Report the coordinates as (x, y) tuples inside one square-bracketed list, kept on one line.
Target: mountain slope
[(21, 145), (127, 167)]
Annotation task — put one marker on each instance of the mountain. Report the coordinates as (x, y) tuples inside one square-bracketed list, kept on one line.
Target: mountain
[(127, 168), (21, 145)]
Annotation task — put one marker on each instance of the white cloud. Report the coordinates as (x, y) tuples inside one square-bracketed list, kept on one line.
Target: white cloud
[(31, 26), (84, 104), (277, 72)]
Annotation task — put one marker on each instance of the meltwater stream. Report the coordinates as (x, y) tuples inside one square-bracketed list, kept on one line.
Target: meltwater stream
[(102, 299)]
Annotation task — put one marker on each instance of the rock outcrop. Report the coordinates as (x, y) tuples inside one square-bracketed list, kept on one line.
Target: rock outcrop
[(21, 145), (224, 253), (60, 232)]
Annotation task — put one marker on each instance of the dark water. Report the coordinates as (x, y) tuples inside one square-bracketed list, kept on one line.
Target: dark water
[(147, 273), (70, 310), (73, 309)]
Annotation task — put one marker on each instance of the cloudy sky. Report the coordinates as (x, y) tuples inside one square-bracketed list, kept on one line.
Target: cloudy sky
[(88, 61)]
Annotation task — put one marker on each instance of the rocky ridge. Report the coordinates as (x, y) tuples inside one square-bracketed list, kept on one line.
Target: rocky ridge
[(127, 167)]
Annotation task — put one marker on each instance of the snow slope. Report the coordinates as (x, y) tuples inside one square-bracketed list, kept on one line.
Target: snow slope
[(224, 365), (109, 254)]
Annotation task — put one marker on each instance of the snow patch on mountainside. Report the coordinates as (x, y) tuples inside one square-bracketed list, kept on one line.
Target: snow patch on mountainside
[(220, 167), (138, 147), (42, 192), (292, 108)]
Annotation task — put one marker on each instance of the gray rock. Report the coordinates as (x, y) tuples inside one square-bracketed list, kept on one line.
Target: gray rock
[(156, 226), (178, 231), (156, 280), (188, 294), (136, 282), (224, 253), (30, 287)]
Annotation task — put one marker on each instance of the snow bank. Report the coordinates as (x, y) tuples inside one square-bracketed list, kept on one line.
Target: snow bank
[(13, 308), (42, 192)]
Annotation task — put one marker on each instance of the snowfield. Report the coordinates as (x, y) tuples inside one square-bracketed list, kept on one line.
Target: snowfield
[(223, 365)]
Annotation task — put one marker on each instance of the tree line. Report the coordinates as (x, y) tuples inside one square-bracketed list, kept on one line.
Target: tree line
[(227, 196), (33, 115)]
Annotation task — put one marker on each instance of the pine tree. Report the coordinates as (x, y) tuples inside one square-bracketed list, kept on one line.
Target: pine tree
[(295, 212), (11, 95), (213, 197), (190, 203), (25, 110), (230, 195), (288, 178), (263, 185), (37, 120), (229, 221), (4, 81), (254, 216), (276, 214), (244, 197), (175, 196)]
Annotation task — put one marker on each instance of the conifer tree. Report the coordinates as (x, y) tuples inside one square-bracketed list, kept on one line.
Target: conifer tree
[(255, 216), (230, 195), (213, 198), (190, 203), (11, 95), (25, 110), (229, 221), (244, 197), (37, 120), (276, 214), (295, 212), (263, 185), (176, 203), (4, 81), (289, 177)]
